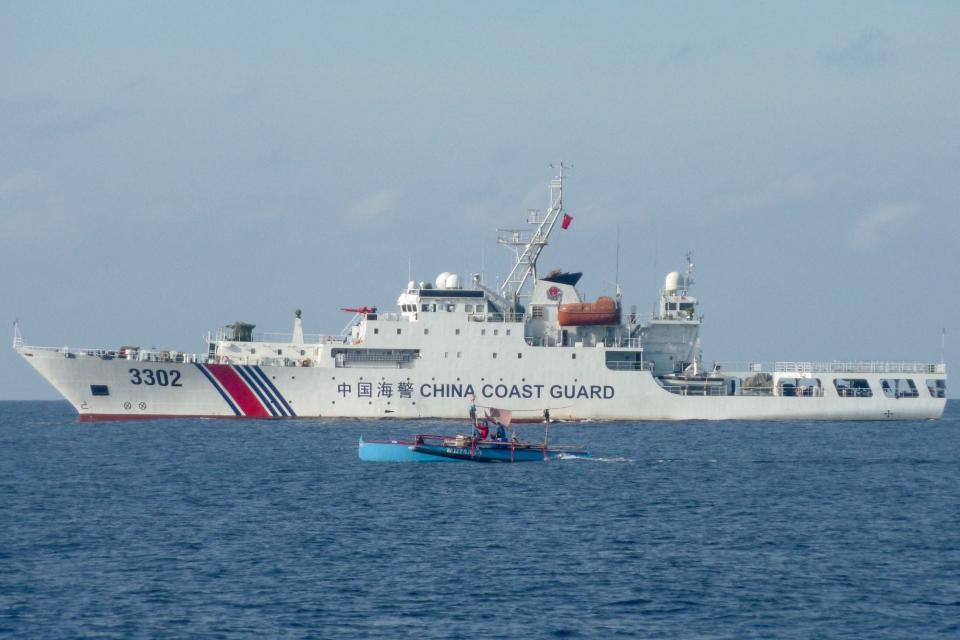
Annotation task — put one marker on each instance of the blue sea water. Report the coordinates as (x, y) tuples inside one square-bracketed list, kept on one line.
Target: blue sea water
[(235, 529)]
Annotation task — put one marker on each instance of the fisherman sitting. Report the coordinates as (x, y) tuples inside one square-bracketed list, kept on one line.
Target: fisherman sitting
[(501, 433)]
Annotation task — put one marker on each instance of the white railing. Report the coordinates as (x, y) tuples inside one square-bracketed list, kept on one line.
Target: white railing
[(879, 366), (227, 335), (139, 355), (859, 367), (621, 343), (625, 365), (496, 317)]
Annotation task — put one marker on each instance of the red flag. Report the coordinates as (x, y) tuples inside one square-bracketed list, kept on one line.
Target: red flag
[(567, 219)]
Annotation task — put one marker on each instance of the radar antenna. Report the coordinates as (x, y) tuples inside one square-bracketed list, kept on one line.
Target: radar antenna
[(528, 244)]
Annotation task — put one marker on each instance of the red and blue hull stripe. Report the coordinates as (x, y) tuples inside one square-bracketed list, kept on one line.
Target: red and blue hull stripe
[(247, 390)]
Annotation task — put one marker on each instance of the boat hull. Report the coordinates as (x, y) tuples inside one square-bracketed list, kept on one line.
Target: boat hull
[(498, 452), (394, 451)]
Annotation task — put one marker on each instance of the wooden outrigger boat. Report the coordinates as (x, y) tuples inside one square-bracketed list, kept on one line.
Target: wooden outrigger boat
[(440, 448), (473, 448)]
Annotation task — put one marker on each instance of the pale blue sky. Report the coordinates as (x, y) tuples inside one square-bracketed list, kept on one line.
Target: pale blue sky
[(168, 168)]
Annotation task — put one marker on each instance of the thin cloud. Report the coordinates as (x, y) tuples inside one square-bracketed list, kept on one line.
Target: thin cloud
[(882, 224), (380, 207), (795, 187), (871, 49), (43, 117)]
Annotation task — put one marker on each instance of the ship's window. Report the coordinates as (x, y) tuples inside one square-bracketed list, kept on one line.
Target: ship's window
[(494, 355), (483, 332), (573, 356), (253, 350), (468, 308), (398, 331), (451, 307), (433, 307), (508, 331), (458, 331), (937, 388), (426, 332), (458, 354), (519, 355), (496, 332), (99, 390), (899, 388), (375, 332), (302, 352), (852, 388), (279, 352), (800, 387), (424, 307)]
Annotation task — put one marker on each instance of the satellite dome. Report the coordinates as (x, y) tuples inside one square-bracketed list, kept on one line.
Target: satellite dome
[(453, 281), (441, 281), (674, 282)]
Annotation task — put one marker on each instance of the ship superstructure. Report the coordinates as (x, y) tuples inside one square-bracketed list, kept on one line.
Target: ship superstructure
[(531, 345)]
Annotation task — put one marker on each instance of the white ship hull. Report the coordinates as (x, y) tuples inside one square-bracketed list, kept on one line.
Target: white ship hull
[(589, 392)]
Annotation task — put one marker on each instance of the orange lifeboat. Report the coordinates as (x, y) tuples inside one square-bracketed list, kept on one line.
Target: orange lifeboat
[(603, 311)]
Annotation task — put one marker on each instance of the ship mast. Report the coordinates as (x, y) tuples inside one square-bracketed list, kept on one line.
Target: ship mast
[(528, 244)]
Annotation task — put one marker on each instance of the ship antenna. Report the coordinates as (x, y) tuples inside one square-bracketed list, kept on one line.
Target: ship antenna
[(617, 272), (943, 344), (528, 244)]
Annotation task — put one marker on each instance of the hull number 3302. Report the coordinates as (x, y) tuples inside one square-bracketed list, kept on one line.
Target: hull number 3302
[(152, 377)]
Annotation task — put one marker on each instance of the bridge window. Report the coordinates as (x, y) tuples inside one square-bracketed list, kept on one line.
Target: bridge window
[(937, 388), (99, 390), (853, 388), (899, 388)]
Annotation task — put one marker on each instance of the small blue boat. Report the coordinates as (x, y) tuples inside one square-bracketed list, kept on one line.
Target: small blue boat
[(437, 448), (394, 451)]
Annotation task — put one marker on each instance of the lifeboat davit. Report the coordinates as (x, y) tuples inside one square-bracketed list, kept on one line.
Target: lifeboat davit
[(603, 311)]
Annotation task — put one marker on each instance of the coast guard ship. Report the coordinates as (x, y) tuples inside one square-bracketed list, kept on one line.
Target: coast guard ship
[(531, 345)]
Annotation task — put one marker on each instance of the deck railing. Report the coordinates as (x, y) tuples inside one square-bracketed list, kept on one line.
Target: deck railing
[(139, 355), (879, 366)]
